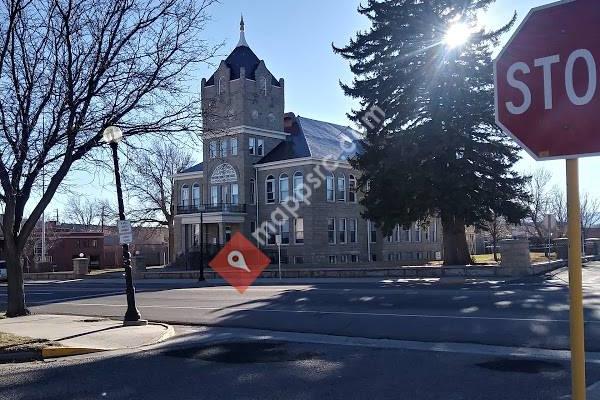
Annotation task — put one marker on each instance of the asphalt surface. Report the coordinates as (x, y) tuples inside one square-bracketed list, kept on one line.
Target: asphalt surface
[(279, 370), (532, 313)]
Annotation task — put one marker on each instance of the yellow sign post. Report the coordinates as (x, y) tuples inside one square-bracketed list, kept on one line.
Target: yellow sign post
[(575, 283)]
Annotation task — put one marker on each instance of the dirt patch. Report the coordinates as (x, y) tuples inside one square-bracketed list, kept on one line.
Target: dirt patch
[(21, 348)]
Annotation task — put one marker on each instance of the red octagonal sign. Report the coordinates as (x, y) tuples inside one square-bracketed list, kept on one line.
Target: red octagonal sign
[(547, 81)]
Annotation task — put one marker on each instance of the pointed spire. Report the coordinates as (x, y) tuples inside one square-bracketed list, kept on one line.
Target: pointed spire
[(242, 41)]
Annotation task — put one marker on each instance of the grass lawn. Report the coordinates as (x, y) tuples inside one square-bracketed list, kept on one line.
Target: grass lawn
[(489, 258), (10, 344)]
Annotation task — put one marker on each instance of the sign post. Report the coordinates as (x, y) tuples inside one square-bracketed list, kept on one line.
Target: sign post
[(278, 242), (547, 99), (575, 282)]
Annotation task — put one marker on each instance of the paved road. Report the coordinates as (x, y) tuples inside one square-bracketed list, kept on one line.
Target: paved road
[(532, 313), (290, 371)]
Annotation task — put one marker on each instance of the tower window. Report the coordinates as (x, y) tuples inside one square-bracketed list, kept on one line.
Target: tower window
[(264, 85), (234, 146), (260, 147), (251, 146)]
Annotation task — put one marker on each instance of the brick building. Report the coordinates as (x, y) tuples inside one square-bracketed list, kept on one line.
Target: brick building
[(261, 164)]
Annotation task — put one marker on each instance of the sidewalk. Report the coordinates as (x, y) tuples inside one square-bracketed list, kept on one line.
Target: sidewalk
[(67, 335)]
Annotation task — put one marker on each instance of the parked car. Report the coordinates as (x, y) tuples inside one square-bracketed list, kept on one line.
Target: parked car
[(3, 276)]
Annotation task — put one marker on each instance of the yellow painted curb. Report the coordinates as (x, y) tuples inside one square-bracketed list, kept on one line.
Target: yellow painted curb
[(57, 352)]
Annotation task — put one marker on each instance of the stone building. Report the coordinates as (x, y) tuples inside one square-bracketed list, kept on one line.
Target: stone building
[(267, 172)]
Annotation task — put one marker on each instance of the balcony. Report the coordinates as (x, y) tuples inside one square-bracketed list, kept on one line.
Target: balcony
[(212, 208)]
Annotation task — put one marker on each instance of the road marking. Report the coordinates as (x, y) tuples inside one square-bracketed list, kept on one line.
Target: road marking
[(234, 309), (65, 299)]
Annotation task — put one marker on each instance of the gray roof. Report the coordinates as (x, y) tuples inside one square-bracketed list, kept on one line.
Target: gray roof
[(317, 139), (195, 168)]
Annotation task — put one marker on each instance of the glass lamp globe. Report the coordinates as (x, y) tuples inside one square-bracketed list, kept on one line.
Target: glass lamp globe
[(112, 134)]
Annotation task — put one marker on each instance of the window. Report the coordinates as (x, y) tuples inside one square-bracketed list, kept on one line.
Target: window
[(342, 230), (220, 85), (196, 195), (284, 188), (225, 194), (434, 236), (252, 146), (331, 259), (212, 149), (298, 260), (406, 235), (343, 258), (270, 189), (284, 231), (185, 195), (352, 230), (223, 148), (330, 188), (270, 234), (252, 226), (260, 147), (94, 243), (214, 195), (252, 191), (233, 143), (299, 230), (417, 233), (426, 233), (196, 235), (235, 194), (372, 232), (298, 187), (352, 189), (264, 85), (354, 258), (397, 235), (331, 230), (390, 257), (341, 188)]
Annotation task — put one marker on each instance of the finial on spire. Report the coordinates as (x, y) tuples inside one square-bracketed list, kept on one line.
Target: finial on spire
[(242, 41)]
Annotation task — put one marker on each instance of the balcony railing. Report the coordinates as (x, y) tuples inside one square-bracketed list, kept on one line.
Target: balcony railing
[(211, 208)]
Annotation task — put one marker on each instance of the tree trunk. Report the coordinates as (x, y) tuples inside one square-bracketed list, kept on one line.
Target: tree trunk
[(16, 288), (495, 249), (456, 250)]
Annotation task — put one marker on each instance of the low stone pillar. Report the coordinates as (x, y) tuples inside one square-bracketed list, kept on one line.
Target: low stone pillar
[(515, 255), (592, 246), (562, 248), (138, 266), (81, 266)]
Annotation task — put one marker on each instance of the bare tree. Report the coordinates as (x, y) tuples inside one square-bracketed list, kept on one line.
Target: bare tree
[(539, 204), (81, 210), (150, 184), (68, 70), (590, 212), (558, 208), (497, 228)]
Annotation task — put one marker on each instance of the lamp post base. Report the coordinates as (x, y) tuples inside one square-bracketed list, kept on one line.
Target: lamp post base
[(139, 322)]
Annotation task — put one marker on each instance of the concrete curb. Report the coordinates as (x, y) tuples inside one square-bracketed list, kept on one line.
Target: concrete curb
[(23, 356), (66, 351)]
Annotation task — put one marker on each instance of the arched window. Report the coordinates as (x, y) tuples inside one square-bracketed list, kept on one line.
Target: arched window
[(298, 186), (252, 191), (196, 195), (352, 189), (185, 195), (330, 182), (270, 189), (341, 188), (284, 188)]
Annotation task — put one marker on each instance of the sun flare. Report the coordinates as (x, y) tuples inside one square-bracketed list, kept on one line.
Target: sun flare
[(457, 35)]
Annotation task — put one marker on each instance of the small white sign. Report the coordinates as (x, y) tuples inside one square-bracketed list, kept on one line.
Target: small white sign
[(125, 233), (278, 240)]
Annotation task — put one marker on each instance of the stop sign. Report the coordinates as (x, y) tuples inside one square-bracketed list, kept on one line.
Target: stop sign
[(547, 88)]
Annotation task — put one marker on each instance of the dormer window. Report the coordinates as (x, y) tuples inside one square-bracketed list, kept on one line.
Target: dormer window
[(260, 147)]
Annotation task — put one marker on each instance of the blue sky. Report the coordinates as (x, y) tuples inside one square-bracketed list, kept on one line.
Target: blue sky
[(294, 38)]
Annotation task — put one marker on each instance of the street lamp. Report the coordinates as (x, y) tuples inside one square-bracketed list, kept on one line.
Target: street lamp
[(112, 135)]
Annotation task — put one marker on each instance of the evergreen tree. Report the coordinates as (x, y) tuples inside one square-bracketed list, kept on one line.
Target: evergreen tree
[(437, 150)]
